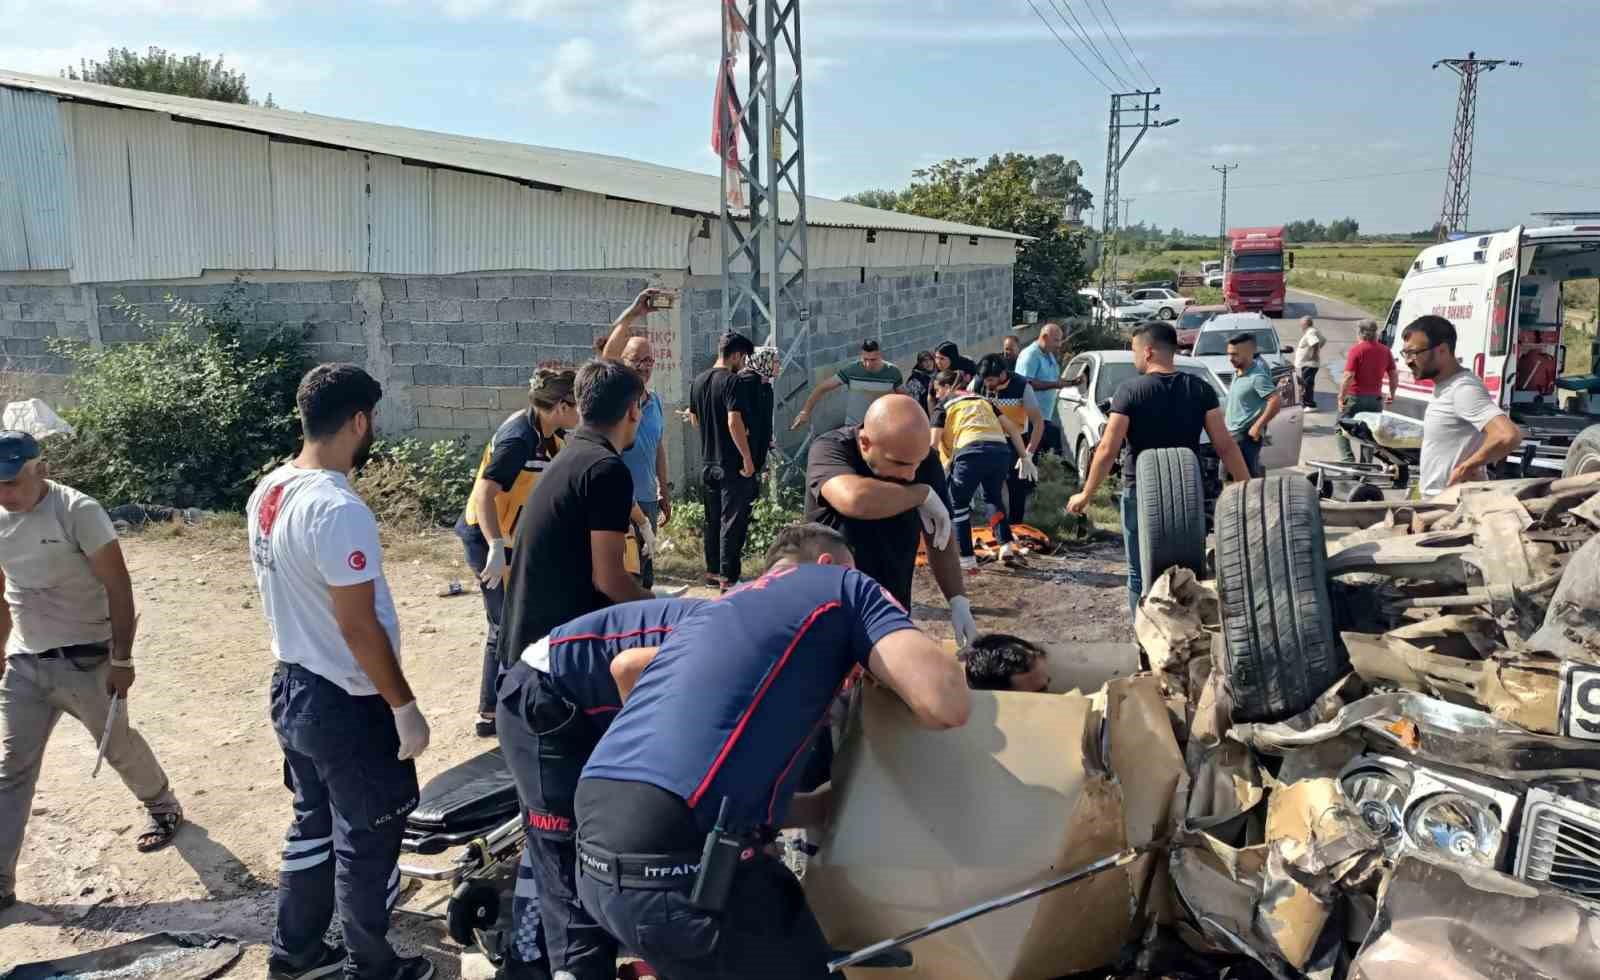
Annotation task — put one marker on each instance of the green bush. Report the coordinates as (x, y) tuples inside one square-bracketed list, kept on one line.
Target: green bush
[(1155, 274), (187, 418), (773, 511), (411, 484)]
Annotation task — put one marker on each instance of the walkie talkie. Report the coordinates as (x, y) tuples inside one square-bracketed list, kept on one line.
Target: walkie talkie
[(719, 861)]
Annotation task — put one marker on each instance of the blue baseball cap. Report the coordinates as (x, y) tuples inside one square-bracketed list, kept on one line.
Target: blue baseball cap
[(16, 448)]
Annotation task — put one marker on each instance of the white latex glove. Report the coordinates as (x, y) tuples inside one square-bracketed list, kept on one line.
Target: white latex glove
[(647, 540), (935, 519), (494, 570), (413, 730), (961, 620), (1027, 469)]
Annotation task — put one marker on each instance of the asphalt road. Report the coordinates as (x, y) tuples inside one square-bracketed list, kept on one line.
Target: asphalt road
[(1337, 322)]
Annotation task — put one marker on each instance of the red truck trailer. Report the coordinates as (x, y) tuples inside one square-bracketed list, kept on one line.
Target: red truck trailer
[(1253, 278)]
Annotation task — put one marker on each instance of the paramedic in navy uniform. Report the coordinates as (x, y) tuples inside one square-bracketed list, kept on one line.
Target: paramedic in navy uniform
[(724, 713), (555, 703)]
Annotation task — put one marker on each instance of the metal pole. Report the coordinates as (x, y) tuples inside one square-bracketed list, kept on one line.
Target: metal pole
[(1117, 860), (1454, 214), (1222, 223), (1116, 157)]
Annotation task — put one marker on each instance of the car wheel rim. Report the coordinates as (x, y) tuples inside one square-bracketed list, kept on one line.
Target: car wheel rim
[(1167, 314)]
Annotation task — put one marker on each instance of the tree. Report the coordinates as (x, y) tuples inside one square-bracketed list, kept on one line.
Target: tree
[(879, 198), (1344, 230), (1000, 194), (158, 70)]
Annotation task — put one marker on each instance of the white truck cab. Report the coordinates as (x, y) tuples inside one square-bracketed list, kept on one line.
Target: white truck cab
[(1506, 295)]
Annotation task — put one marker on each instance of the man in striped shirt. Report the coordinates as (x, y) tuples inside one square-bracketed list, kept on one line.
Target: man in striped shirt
[(864, 382)]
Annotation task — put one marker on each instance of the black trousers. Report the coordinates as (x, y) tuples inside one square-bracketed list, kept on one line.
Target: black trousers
[(546, 740), (1308, 387), (494, 598), (729, 499)]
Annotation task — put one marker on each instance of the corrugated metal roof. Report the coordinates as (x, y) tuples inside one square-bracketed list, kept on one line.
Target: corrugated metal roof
[(34, 217), (593, 172)]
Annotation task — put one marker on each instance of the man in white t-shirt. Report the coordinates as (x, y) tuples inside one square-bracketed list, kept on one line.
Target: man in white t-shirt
[(1463, 430), (343, 712)]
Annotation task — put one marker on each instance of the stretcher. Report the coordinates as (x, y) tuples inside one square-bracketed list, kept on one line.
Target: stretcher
[(1388, 449), (471, 806)]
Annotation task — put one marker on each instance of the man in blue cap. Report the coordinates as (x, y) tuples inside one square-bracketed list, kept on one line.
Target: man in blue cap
[(67, 629)]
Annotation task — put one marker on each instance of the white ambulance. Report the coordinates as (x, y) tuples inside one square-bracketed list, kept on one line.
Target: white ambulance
[(1507, 294)]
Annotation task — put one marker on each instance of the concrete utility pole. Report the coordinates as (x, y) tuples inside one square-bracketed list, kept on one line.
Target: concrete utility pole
[(1139, 110), (1222, 223), (1458, 178)]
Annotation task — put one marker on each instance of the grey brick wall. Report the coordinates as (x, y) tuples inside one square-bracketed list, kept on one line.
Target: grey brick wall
[(457, 351)]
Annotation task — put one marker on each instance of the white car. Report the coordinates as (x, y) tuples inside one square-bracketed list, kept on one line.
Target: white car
[(1211, 345), (1214, 280), (1083, 408), (1152, 304)]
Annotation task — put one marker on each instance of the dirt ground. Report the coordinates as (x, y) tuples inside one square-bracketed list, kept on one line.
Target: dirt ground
[(201, 701)]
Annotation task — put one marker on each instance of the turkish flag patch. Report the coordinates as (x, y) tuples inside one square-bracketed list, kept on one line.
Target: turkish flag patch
[(357, 560)]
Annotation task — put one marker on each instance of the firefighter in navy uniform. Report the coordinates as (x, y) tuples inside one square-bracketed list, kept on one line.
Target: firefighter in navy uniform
[(555, 703), (699, 768)]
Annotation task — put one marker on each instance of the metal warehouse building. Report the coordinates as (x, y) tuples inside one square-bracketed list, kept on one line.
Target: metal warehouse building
[(449, 267)]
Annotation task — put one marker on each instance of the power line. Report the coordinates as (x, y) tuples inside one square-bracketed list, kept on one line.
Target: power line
[(1083, 36), (1126, 44), (1107, 35), (1299, 183), (1453, 214), (1060, 40), (1535, 180)]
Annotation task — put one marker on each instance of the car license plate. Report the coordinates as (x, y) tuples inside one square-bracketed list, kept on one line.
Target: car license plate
[(1580, 701)]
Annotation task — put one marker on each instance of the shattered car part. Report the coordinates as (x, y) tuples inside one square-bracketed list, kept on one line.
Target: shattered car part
[(1571, 629), (164, 956), (1413, 808), (1560, 843), (1456, 922)]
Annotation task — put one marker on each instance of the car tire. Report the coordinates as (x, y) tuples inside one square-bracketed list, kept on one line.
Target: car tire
[(1083, 459), (1167, 313), (1584, 455), (1172, 513), (1279, 652)]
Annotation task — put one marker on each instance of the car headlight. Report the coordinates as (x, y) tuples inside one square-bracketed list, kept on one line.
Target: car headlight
[(1455, 826), (1379, 795)]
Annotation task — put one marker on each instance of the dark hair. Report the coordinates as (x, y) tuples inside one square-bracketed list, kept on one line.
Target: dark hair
[(948, 349), (868, 346), (991, 365), (735, 343), (1437, 329), (924, 355), (1011, 336), (331, 395), (993, 659), (549, 387), (949, 376), (1158, 334), (1243, 338), (606, 388), (600, 345), (805, 543)]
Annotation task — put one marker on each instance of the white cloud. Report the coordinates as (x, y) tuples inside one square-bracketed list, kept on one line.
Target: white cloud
[(514, 9), (1314, 9), (577, 81), (60, 10), (1234, 150)]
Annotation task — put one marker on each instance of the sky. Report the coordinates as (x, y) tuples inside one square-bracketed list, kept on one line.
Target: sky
[(1329, 107)]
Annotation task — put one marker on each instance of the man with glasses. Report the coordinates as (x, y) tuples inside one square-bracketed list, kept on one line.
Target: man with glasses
[(647, 458), (1361, 389), (1463, 430)]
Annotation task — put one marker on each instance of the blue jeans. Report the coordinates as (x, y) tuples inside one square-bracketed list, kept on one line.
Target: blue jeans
[(1130, 546), (982, 465), (351, 799), (494, 598), (1251, 450)]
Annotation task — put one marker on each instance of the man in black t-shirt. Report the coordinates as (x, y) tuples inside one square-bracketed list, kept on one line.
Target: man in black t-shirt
[(881, 484), (570, 540), (723, 406), (1163, 408)]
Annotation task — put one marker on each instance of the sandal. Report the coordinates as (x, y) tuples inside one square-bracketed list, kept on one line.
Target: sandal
[(158, 832)]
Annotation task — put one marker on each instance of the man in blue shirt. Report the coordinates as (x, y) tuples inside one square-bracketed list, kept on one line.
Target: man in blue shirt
[(647, 457), (1253, 399), (720, 722), (1039, 363), (555, 703)]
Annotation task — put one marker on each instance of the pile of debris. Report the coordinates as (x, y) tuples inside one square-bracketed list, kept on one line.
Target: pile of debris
[(1379, 756)]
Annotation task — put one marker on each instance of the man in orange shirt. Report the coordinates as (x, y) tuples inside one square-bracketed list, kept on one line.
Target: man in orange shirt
[(1361, 389)]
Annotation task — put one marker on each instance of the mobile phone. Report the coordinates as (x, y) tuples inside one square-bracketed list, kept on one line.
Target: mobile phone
[(663, 301)]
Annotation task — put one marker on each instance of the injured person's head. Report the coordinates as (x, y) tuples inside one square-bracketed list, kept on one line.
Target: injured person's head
[(1002, 662)]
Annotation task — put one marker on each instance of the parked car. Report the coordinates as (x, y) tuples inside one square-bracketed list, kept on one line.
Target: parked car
[(1083, 408), (1192, 320), (1211, 345), (1152, 303), (1214, 280)]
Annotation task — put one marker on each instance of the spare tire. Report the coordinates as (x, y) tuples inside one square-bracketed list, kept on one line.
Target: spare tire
[(1172, 513), (1279, 651), (1584, 456)]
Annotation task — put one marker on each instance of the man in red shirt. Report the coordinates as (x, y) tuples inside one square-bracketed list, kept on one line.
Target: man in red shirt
[(1361, 390)]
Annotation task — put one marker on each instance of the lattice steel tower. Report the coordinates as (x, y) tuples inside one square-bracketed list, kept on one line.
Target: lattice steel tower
[(1222, 222), (1458, 178), (1115, 158)]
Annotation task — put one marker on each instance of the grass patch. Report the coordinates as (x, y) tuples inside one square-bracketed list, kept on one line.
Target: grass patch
[(1205, 296), (1372, 297), (1579, 338)]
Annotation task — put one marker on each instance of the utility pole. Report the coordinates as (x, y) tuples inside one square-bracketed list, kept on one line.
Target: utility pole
[(1458, 178), (1222, 223), (1136, 115), (757, 238)]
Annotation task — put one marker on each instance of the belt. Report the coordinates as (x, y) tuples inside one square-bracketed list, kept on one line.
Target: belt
[(651, 872), (75, 652)]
